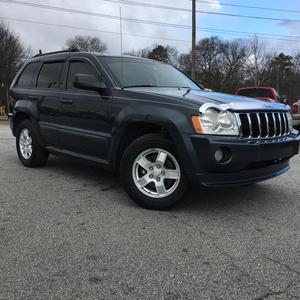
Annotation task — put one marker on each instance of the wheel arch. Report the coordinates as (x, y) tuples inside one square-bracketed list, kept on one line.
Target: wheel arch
[(132, 130), (24, 110)]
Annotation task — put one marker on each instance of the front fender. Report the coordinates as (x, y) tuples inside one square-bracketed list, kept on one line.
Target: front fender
[(170, 118), (175, 121)]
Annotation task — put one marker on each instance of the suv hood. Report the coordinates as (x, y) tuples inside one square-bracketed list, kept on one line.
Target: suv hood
[(195, 97), (198, 98)]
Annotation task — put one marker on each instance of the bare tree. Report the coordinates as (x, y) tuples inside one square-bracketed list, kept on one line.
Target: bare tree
[(139, 53), (12, 53), (208, 69), (233, 65), (185, 63), (259, 62), (86, 43), (172, 56)]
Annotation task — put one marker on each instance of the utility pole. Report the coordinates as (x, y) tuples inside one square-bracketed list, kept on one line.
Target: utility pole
[(193, 40), (278, 80)]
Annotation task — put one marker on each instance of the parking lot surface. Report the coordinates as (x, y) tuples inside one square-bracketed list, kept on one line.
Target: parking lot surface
[(68, 231)]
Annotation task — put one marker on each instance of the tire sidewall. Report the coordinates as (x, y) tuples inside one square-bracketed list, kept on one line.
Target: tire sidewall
[(136, 148)]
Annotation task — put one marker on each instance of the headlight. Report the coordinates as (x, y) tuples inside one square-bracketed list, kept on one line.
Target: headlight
[(290, 120), (215, 122)]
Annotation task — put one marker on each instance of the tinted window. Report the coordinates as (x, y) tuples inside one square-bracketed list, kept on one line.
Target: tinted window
[(25, 79), (49, 75), (132, 72), (256, 93), (78, 67)]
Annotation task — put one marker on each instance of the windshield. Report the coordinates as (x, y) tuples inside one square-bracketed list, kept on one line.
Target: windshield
[(134, 72)]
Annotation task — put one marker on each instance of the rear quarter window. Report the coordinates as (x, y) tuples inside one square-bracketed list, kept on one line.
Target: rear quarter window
[(25, 79)]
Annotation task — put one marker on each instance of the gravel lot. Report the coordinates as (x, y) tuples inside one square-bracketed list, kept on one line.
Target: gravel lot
[(68, 231)]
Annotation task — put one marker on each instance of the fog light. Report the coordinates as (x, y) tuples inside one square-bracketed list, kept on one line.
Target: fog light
[(219, 155), (223, 155)]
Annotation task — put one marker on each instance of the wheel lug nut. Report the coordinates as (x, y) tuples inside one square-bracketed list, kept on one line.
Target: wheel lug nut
[(151, 168), (158, 179), (158, 166), (150, 176), (163, 173)]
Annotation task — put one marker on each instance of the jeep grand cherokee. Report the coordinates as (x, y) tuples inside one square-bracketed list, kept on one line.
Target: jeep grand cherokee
[(145, 119)]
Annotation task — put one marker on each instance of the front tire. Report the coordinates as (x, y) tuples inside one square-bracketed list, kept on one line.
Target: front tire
[(30, 152), (152, 173)]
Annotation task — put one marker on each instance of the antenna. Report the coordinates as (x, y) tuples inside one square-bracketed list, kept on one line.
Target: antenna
[(121, 45)]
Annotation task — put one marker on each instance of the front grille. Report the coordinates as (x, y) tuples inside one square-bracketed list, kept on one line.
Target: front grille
[(263, 124)]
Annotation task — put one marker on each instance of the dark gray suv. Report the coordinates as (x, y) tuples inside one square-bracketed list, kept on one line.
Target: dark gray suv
[(155, 126)]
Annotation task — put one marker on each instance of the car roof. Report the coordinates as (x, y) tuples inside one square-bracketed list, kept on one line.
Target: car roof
[(67, 53)]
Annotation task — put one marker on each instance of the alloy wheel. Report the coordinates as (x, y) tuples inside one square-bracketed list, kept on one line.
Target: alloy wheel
[(156, 173)]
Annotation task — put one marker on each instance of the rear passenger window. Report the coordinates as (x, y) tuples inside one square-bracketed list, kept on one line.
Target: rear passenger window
[(24, 81), (50, 75), (78, 67)]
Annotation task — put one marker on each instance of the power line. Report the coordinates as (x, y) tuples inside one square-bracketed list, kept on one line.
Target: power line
[(222, 31), (92, 29), (116, 33), (208, 30), (143, 4), (250, 7)]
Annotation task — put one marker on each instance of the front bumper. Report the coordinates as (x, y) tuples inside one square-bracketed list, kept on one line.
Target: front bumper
[(249, 161)]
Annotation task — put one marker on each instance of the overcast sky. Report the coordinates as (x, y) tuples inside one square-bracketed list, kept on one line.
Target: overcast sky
[(51, 38)]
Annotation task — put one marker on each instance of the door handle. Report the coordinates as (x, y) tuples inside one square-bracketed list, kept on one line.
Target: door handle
[(33, 97), (66, 101)]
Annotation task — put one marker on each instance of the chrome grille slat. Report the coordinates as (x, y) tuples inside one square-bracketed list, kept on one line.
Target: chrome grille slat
[(240, 124), (258, 125), (287, 124), (268, 125), (250, 124), (280, 124), (275, 125), (284, 123)]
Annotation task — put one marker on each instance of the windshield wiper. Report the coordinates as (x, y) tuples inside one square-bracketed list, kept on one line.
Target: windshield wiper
[(138, 85), (187, 91)]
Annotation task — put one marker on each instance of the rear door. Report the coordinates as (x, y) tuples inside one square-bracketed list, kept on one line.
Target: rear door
[(46, 93), (85, 114)]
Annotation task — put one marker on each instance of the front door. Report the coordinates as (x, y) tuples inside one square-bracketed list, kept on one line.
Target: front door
[(85, 114)]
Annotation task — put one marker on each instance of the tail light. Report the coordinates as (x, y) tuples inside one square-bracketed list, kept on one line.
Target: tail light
[(295, 108)]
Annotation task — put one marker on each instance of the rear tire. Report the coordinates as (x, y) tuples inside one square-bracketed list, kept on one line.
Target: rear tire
[(152, 173), (30, 152)]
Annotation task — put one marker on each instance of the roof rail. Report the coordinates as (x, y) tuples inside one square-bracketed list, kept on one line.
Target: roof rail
[(55, 52)]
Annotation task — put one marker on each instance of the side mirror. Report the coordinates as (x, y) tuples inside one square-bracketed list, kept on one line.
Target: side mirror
[(89, 82)]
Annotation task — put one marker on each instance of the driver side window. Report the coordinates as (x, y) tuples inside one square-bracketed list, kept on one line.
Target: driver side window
[(78, 67)]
